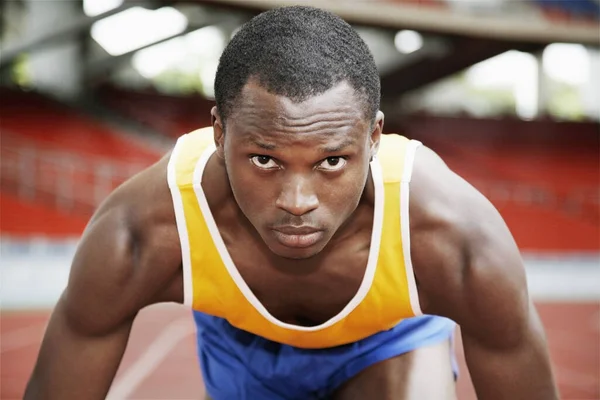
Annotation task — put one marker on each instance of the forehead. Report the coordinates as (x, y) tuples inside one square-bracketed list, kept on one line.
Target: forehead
[(336, 112)]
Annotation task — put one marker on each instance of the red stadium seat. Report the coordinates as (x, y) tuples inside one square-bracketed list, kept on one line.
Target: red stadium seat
[(55, 157)]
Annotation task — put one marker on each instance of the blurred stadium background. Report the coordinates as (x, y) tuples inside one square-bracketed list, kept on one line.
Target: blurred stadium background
[(92, 91)]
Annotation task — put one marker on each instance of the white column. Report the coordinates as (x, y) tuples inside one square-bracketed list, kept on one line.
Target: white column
[(590, 92), (56, 68)]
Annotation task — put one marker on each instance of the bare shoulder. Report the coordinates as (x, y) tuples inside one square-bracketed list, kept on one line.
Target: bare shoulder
[(129, 255), (463, 253)]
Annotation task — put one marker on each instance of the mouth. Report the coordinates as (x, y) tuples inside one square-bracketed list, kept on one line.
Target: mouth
[(297, 237)]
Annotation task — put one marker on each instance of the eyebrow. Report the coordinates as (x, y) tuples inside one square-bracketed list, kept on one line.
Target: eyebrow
[(325, 149), (255, 141), (338, 147)]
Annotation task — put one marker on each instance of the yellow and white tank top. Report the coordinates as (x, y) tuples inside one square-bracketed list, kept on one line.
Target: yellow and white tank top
[(213, 285)]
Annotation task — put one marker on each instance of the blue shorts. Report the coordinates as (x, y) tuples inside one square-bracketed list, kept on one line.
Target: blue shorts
[(239, 365)]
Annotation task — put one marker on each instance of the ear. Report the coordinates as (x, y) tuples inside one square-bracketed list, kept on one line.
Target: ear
[(218, 132), (376, 134)]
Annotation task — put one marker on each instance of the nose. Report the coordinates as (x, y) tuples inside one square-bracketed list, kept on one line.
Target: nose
[(297, 196)]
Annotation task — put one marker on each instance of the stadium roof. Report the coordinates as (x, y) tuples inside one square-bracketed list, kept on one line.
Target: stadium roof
[(455, 34)]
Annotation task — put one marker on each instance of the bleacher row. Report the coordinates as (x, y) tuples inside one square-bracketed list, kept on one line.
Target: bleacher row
[(58, 164)]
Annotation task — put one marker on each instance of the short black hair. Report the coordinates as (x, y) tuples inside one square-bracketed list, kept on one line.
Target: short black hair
[(297, 52)]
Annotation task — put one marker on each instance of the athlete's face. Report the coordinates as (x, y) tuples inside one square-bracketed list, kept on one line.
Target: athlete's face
[(297, 170)]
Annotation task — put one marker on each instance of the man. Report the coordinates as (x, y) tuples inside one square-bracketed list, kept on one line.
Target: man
[(320, 258)]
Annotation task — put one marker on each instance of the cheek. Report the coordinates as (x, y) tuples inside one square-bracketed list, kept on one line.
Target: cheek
[(343, 195), (250, 192)]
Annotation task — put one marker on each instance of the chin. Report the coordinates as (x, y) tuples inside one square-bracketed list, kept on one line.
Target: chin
[(295, 253)]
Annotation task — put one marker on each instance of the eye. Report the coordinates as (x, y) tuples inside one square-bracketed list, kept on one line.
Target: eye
[(332, 163), (264, 162)]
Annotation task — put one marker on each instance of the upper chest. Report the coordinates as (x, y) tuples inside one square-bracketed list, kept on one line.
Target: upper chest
[(307, 292)]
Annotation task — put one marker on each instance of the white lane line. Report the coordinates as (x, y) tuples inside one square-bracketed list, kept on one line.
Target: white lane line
[(564, 281), (569, 378), (156, 352), (22, 337)]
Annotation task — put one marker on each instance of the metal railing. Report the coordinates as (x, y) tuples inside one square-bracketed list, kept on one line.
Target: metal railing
[(582, 203), (69, 181)]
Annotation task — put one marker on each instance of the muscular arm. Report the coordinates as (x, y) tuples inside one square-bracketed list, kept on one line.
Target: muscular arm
[(124, 262), (469, 269)]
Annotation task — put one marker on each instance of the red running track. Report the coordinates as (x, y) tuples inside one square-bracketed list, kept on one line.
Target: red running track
[(160, 361)]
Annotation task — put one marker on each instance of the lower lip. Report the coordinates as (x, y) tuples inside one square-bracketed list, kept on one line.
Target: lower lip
[(298, 241)]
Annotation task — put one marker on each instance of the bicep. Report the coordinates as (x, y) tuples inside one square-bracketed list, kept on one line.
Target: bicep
[(101, 288), (89, 327), (504, 342), (520, 369), (495, 306)]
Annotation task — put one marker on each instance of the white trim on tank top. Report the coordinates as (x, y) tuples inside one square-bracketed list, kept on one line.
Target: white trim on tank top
[(367, 281), (413, 294), (181, 224)]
